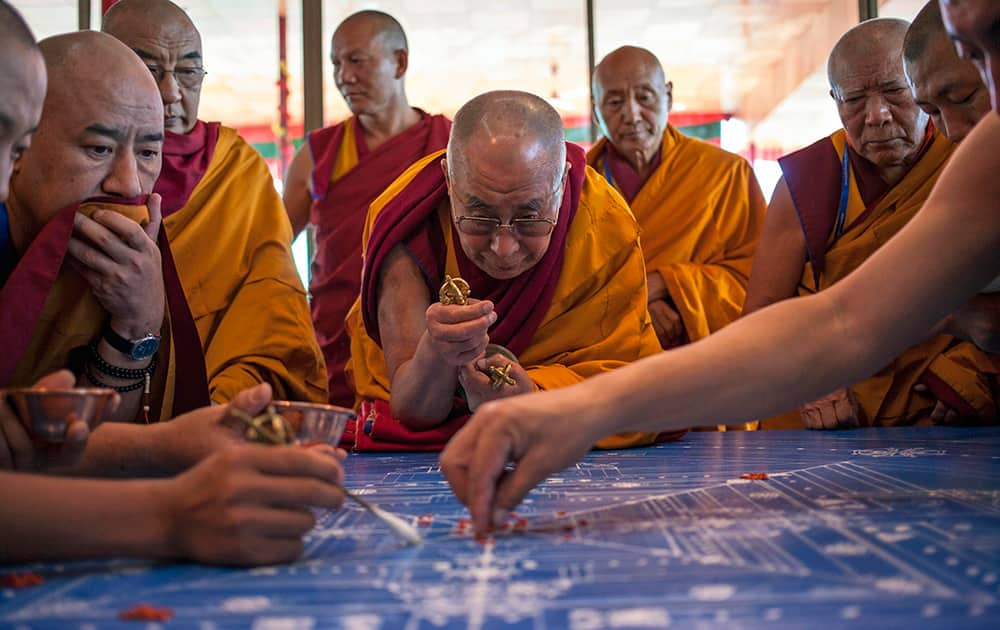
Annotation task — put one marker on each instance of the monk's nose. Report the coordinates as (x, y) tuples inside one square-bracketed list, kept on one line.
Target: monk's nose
[(632, 112), (123, 180), (170, 91), (343, 75), (877, 111), (504, 243)]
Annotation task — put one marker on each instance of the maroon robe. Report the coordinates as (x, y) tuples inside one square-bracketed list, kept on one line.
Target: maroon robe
[(338, 211)]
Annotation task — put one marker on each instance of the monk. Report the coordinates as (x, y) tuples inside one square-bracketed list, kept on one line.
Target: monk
[(700, 208), (841, 199), (552, 262), (248, 307), (83, 282), (944, 86), (337, 174), (243, 506), (950, 90), (736, 373)]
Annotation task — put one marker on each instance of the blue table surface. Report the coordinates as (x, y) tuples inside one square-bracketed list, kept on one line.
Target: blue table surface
[(877, 528)]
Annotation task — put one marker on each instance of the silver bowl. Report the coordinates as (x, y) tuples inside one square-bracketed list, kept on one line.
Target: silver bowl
[(314, 423), (45, 412)]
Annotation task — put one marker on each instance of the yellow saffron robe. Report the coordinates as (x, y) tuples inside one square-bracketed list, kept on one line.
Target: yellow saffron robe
[(959, 372), (701, 212), (69, 318), (597, 320), (232, 246)]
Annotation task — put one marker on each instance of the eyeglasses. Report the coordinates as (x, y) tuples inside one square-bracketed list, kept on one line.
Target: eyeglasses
[(185, 77), (488, 226)]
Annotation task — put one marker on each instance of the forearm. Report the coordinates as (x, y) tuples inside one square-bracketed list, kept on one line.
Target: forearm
[(423, 388), (49, 519), (735, 374), (119, 449)]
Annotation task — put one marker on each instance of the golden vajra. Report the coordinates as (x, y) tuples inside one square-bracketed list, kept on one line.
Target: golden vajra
[(269, 427), (500, 376), (454, 291)]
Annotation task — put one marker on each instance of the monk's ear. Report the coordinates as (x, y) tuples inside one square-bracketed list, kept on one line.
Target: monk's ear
[(566, 171), (444, 169), (402, 62), (669, 94)]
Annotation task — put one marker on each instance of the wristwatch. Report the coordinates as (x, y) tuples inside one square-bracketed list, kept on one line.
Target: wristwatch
[(135, 349)]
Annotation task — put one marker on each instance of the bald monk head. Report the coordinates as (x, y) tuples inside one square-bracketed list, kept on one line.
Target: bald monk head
[(165, 38), (370, 56), (506, 162), (974, 27), (632, 99), (101, 130), (945, 86), (882, 122), (22, 90)]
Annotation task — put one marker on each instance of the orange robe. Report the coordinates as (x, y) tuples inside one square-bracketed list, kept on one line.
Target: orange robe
[(346, 178), (231, 241), (48, 314), (955, 372), (701, 211), (595, 321)]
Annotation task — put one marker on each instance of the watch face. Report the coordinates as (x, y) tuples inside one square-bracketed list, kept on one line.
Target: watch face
[(145, 348)]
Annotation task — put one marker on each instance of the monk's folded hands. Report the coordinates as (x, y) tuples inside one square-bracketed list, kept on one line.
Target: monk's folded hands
[(121, 263)]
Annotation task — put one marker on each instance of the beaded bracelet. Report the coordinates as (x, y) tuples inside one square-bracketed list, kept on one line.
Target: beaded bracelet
[(119, 372), (121, 389)]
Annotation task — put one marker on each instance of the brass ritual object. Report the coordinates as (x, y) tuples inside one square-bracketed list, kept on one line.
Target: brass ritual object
[(456, 291), (267, 428), (45, 412), (289, 422)]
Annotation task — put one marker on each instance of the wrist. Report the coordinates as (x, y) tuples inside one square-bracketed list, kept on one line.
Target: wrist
[(161, 516), (117, 358), (136, 329)]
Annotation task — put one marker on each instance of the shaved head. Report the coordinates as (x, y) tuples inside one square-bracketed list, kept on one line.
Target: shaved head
[(522, 125), (867, 82), (926, 29), (632, 101), (506, 161), (13, 28), (122, 15), (22, 90), (101, 130), (166, 40), (87, 64), (381, 26), (948, 88), (628, 57), (880, 39)]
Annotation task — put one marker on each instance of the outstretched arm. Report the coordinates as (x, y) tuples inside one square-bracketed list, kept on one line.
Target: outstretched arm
[(888, 303)]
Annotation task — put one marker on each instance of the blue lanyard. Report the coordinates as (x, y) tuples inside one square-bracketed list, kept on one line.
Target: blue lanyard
[(607, 168), (845, 191)]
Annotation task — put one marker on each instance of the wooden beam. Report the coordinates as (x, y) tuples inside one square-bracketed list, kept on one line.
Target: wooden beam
[(591, 62), (312, 58), (83, 15), (867, 9)]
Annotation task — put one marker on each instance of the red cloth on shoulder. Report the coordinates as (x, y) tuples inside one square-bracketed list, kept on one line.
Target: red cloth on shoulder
[(339, 211), (411, 219)]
